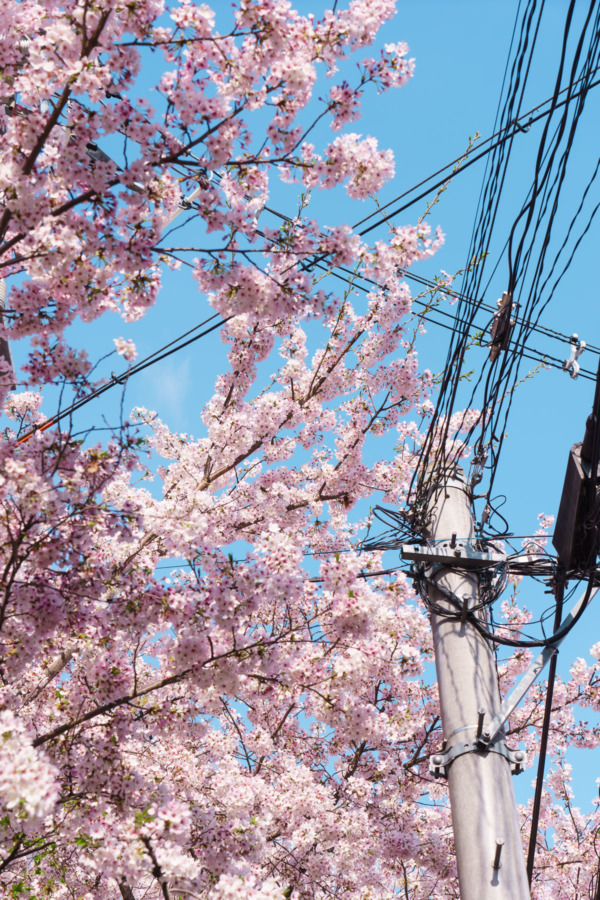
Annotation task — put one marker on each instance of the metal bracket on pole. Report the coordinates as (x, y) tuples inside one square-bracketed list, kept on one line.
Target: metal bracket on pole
[(439, 762), (452, 553), (515, 697)]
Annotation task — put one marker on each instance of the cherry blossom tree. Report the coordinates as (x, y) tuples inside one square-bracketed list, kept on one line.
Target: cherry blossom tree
[(249, 727)]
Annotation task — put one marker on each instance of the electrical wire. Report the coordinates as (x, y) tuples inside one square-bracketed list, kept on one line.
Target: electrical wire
[(78, 404), (497, 381), (468, 615), (539, 781), (158, 355), (439, 287), (470, 161), (366, 284)]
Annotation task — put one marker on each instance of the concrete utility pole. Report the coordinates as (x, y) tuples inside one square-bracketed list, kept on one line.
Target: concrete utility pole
[(489, 852)]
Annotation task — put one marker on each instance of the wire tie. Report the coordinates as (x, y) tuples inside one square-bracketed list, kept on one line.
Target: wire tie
[(501, 326)]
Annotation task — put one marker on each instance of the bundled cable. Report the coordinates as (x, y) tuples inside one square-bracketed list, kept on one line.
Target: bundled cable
[(533, 272)]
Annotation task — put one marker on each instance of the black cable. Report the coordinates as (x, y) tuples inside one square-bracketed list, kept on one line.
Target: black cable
[(155, 357), (551, 188), (554, 106), (459, 295), (466, 165), (78, 404), (438, 610), (539, 782), (503, 374), (524, 116), (534, 355)]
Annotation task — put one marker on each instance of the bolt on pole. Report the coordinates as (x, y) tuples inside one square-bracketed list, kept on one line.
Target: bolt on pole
[(489, 851)]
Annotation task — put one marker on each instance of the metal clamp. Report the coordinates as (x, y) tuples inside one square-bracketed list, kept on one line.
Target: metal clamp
[(501, 326), (477, 468), (440, 762), (522, 128), (571, 365)]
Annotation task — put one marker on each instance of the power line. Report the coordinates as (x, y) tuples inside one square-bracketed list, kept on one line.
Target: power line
[(123, 377), (532, 354), (502, 375), (530, 121), (478, 304), (539, 781), (434, 286)]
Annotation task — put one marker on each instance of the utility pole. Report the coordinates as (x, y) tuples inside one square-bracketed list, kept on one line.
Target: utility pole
[(487, 838)]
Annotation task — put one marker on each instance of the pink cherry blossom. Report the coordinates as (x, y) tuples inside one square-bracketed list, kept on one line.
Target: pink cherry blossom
[(28, 782), (125, 348), (206, 689)]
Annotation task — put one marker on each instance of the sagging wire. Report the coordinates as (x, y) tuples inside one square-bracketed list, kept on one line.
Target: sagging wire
[(467, 614)]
